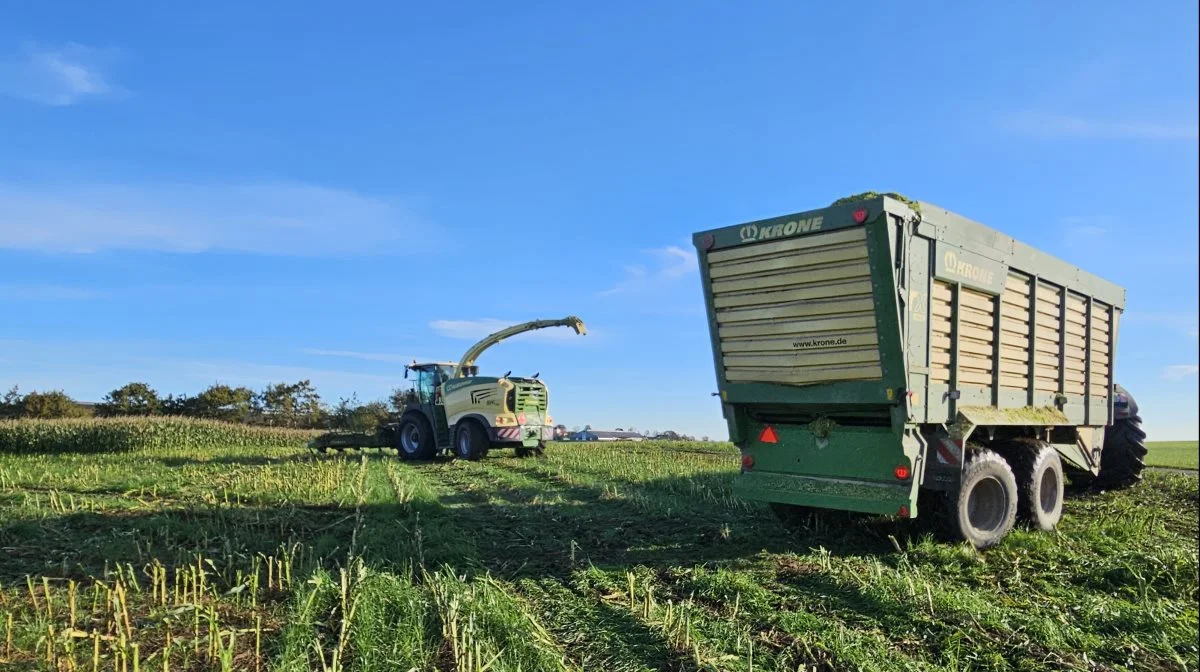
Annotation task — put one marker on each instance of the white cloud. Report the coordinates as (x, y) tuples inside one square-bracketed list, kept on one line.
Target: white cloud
[(283, 218), (672, 263), (477, 329), (1180, 371), (59, 75), (1057, 125), (366, 356), (9, 292)]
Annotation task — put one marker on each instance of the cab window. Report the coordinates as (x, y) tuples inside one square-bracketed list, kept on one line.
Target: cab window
[(426, 384)]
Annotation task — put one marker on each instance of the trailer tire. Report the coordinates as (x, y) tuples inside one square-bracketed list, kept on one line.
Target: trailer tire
[(985, 508), (1122, 460), (1039, 473), (416, 438), (470, 440)]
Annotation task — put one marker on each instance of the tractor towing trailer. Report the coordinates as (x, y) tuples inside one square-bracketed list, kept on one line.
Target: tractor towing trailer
[(454, 410), (882, 352)]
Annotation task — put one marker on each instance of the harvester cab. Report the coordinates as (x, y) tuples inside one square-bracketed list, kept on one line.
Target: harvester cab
[(453, 409)]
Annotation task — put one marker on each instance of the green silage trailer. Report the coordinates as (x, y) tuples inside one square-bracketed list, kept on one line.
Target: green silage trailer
[(887, 356)]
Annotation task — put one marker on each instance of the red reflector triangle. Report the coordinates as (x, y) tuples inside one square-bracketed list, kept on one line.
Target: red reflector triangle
[(768, 435), (860, 215)]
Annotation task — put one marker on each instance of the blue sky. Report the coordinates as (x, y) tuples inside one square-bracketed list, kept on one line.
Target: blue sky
[(251, 193)]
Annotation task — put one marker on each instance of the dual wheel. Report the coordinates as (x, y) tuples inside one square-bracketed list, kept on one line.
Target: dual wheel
[(1021, 480), (1024, 480), (996, 490)]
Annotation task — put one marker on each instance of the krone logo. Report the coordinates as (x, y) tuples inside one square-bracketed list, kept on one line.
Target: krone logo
[(963, 269), (752, 232)]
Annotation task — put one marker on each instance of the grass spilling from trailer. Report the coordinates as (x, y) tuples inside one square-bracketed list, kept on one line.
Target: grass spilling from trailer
[(1173, 454), (614, 556)]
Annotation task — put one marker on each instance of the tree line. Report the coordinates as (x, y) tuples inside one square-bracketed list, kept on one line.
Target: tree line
[(282, 404)]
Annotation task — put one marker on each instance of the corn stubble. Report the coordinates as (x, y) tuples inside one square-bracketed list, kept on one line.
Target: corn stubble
[(126, 547)]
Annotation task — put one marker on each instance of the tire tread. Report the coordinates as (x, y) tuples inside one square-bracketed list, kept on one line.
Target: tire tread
[(1123, 458)]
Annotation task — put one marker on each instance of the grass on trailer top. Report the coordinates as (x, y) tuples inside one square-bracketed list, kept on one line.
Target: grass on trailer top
[(615, 556), (1174, 454)]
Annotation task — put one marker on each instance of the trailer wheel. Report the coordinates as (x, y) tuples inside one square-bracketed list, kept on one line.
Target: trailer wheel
[(985, 508), (1122, 459), (1039, 473), (416, 438), (470, 440)]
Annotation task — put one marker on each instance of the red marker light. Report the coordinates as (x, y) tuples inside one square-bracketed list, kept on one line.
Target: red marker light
[(747, 461), (768, 435), (521, 418), (902, 472), (903, 512), (860, 215)]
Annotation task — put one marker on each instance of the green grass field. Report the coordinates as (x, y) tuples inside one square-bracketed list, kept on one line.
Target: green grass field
[(598, 557), (1175, 454)]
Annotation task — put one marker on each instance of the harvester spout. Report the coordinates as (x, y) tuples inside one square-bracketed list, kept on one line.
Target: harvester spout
[(468, 359)]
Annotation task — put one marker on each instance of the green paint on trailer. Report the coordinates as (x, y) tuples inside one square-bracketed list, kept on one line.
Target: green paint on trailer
[(874, 420)]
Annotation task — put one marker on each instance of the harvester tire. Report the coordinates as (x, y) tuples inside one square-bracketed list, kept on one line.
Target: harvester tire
[(1039, 473), (985, 508), (470, 440), (1122, 460), (416, 438)]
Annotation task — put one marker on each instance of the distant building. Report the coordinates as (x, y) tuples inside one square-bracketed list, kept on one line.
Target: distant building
[(604, 435)]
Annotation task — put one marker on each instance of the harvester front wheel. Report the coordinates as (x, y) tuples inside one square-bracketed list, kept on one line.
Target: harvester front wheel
[(1122, 459), (985, 508), (416, 438), (470, 440)]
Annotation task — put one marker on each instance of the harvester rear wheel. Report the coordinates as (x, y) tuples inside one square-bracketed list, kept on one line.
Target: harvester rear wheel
[(985, 508), (416, 438), (470, 440), (1122, 459)]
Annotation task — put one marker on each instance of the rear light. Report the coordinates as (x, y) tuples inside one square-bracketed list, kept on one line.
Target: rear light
[(521, 419), (768, 435), (902, 472), (903, 512), (860, 215), (747, 461)]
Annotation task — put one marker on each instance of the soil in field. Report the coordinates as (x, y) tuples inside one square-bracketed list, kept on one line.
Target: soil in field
[(597, 557)]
